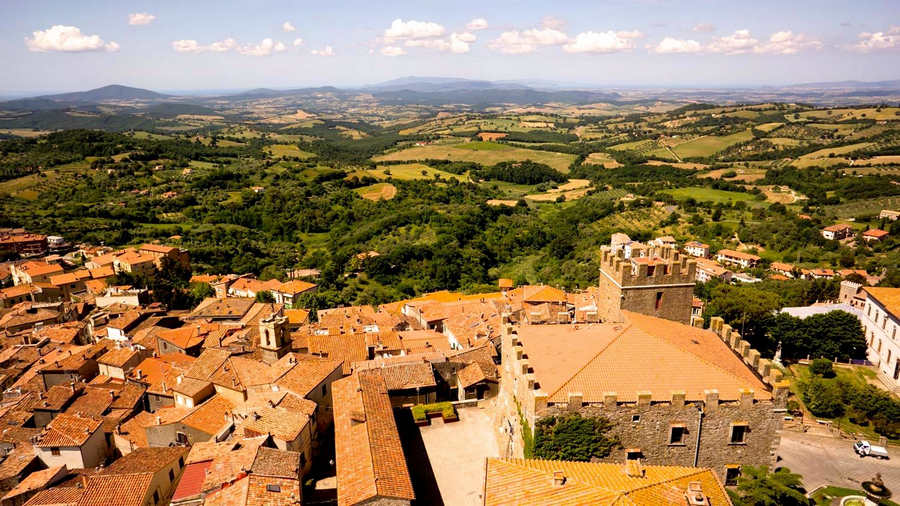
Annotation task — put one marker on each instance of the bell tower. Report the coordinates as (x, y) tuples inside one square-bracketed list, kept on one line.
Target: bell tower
[(273, 338)]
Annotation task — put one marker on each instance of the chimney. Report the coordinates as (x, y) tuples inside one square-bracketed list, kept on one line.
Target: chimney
[(694, 495), (158, 420), (634, 468), (559, 478)]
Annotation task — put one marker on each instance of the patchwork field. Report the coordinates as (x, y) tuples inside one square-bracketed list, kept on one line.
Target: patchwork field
[(408, 172), (602, 159), (840, 150), (703, 147), (485, 153)]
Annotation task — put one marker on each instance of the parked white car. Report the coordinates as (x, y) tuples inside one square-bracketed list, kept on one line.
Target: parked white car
[(865, 449)]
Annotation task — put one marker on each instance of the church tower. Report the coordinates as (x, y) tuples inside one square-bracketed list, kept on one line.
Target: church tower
[(273, 338)]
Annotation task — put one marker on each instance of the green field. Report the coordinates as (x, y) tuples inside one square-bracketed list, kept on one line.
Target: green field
[(701, 194), (287, 150), (479, 153), (840, 150), (863, 207), (703, 147)]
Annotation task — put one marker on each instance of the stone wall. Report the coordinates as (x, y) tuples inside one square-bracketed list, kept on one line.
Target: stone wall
[(648, 427)]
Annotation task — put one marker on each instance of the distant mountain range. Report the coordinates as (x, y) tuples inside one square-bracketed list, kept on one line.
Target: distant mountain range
[(440, 91)]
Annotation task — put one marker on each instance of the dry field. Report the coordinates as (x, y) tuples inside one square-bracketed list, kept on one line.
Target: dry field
[(573, 190), (679, 165), (498, 202), (602, 159), (377, 191), (485, 153)]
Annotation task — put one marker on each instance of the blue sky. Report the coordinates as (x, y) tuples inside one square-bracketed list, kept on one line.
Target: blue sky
[(182, 45)]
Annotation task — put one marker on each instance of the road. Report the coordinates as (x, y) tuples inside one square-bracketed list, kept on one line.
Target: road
[(825, 460)]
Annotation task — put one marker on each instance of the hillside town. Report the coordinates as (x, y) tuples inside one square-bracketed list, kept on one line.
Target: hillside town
[(111, 397)]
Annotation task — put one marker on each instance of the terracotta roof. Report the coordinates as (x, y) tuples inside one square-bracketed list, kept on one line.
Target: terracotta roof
[(164, 369), (368, 452), (531, 482), (37, 480), (56, 496), (157, 248), (232, 308), (295, 287), (836, 228), (191, 482), (134, 431), (103, 272), (35, 268), (737, 254), (889, 298), (209, 417), (594, 359), (545, 294), (306, 375), (239, 373), (281, 423), (408, 375), (470, 375), (255, 490), (347, 348), (63, 279), (135, 258), (18, 290), (505, 283), (68, 430), (146, 460), (95, 286), (188, 336), (17, 460), (781, 266), (297, 316), (875, 232), (207, 363), (190, 387), (117, 489), (118, 357)]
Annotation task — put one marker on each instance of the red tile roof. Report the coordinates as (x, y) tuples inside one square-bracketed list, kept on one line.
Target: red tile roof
[(116, 489), (68, 430), (191, 482)]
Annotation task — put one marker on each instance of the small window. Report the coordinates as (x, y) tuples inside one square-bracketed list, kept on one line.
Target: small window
[(633, 453), (324, 390), (302, 459), (658, 300), (635, 418), (739, 433), (155, 496), (54, 451), (676, 434), (180, 461), (273, 488), (732, 473), (171, 475)]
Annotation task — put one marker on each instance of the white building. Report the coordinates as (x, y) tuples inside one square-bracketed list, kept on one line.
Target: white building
[(696, 249), (881, 320)]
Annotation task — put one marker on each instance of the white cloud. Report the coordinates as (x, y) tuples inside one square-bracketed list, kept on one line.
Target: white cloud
[(140, 18), (298, 42), (553, 22), (265, 48), (393, 51), (288, 27), (477, 24), (671, 45), (67, 39), (704, 28), (403, 30), (602, 42), (737, 43), (878, 40), (787, 42), (458, 43), (326, 51), (527, 41)]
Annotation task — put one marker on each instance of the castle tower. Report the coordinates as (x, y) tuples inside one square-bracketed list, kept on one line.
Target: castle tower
[(273, 339), (660, 283)]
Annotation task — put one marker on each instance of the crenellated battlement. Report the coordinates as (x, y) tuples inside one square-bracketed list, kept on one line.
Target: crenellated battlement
[(650, 265)]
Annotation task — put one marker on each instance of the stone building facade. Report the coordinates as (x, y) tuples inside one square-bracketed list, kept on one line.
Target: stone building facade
[(708, 428), (659, 284)]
